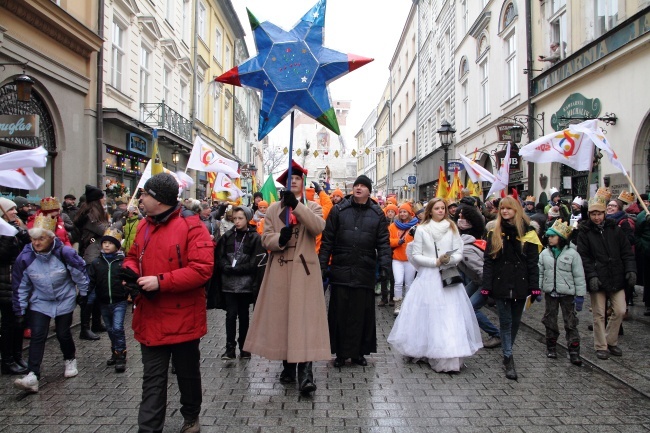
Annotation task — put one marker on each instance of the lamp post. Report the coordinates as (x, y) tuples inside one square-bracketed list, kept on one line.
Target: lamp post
[(23, 83), (446, 133), (175, 156)]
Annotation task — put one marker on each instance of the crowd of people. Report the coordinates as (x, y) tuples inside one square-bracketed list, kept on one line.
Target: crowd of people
[(436, 263)]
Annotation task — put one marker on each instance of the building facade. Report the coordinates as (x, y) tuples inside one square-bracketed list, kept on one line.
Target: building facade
[(366, 140), (56, 44)]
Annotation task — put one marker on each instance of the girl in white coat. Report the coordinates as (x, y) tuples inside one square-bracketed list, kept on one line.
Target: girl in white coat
[(436, 322)]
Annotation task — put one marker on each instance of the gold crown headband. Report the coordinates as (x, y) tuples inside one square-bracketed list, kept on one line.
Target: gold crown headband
[(45, 222)]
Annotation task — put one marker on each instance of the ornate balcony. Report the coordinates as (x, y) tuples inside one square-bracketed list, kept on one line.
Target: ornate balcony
[(163, 117)]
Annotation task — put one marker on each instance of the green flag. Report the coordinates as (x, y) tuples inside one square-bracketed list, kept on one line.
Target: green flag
[(269, 191)]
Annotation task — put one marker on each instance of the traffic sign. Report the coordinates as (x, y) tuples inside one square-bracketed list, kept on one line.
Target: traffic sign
[(412, 180)]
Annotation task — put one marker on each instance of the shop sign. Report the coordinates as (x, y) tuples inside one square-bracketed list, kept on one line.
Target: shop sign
[(576, 106), (503, 132), (516, 176), (624, 34), (137, 144), (515, 160), (18, 126), (412, 180), (453, 165)]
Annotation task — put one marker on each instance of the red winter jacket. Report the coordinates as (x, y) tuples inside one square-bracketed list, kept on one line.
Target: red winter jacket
[(180, 252)]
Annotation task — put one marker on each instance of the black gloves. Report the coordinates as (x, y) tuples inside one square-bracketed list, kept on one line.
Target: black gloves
[(289, 199), (400, 242), (630, 277), (325, 273), (130, 279), (285, 235), (594, 284), (19, 321), (317, 188), (82, 301)]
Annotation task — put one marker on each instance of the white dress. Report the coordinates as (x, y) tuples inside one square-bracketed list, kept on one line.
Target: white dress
[(435, 322)]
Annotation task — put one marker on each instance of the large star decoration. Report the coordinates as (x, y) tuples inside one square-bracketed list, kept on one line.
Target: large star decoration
[(292, 70)]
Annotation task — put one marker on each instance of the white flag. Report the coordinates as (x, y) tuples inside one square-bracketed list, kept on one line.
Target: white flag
[(571, 147), (503, 175), (184, 180), (21, 178), (146, 175), (24, 158), (205, 157), (7, 229), (475, 171), (224, 183), (590, 128)]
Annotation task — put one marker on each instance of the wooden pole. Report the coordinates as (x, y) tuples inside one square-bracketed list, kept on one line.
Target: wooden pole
[(638, 196), (289, 172)]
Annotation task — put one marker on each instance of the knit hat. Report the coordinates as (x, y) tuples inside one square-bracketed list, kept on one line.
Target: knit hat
[(390, 206), (69, 196), (407, 207), (20, 201), (468, 201), (553, 213), (257, 194), (363, 180), (114, 236), (6, 205), (163, 188), (337, 192), (263, 203), (555, 194), (93, 193), (248, 213), (392, 200)]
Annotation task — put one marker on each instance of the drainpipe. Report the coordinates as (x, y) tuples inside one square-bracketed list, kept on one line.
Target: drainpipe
[(99, 114), (195, 83), (416, 192), (531, 108)]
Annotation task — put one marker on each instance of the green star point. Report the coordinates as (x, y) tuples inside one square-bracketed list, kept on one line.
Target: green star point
[(328, 119)]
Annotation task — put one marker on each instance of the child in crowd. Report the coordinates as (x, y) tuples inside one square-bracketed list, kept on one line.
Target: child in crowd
[(111, 294), (238, 256), (562, 279)]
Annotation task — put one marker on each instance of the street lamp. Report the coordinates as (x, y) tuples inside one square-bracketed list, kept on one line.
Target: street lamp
[(23, 83), (446, 133), (175, 156), (515, 133)]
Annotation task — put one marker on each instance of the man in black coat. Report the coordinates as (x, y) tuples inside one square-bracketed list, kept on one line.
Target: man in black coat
[(609, 266), (356, 239)]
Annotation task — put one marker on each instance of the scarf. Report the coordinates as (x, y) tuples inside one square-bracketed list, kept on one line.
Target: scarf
[(553, 213), (406, 226), (258, 216), (437, 229), (463, 224), (110, 257)]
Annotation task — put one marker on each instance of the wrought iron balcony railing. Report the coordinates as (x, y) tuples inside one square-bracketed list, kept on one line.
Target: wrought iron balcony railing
[(161, 116)]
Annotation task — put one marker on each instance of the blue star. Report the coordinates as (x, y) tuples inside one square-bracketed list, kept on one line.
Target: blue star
[(292, 70)]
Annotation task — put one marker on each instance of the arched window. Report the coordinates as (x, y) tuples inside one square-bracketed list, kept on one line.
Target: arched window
[(36, 106), (483, 45), (508, 16), (464, 68)]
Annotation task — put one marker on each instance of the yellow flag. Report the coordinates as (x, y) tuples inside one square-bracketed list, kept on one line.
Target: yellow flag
[(456, 187), (443, 185), (471, 187), (156, 165)]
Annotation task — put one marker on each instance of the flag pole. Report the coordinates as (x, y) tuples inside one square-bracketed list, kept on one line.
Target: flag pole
[(290, 166), (638, 196)]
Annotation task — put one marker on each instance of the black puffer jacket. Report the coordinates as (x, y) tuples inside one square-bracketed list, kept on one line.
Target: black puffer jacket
[(605, 254), (514, 272), (246, 275), (10, 247), (356, 238), (105, 279)]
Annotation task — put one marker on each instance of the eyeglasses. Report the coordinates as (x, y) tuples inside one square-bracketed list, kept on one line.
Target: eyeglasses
[(144, 194), (612, 205)]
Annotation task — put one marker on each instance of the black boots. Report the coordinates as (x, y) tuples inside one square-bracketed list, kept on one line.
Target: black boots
[(574, 354), (111, 361), (120, 361), (551, 348), (12, 368), (86, 333), (509, 364), (288, 374), (229, 354), (306, 378)]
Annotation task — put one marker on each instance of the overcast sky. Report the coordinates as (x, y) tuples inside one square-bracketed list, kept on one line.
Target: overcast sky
[(368, 28)]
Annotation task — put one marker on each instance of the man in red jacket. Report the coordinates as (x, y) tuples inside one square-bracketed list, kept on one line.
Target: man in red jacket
[(171, 259)]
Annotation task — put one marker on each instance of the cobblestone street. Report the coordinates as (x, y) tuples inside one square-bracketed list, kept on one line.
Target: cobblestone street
[(389, 395)]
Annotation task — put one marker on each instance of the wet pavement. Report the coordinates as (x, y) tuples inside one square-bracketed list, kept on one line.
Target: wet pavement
[(389, 395)]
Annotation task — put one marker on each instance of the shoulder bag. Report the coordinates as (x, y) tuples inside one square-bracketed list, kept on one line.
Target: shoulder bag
[(449, 275)]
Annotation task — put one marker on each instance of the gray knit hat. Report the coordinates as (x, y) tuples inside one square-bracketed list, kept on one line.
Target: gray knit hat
[(247, 212), (163, 188)]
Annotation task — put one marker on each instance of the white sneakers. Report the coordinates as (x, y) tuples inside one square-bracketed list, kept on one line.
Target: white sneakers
[(398, 306), (70, 368), (28, 383)]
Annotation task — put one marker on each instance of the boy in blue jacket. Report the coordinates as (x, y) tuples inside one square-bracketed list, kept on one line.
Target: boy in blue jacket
[(111, 294)]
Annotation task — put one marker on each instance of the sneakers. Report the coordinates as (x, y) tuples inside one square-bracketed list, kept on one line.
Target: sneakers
[(492, 342), (28, 383), (229, 354), (191, 426), (70, 368), (398, 306)]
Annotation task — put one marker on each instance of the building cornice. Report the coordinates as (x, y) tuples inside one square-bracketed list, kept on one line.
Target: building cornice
[(48, 18)]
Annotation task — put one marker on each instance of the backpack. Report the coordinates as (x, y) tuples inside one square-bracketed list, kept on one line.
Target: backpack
[(632, 223)]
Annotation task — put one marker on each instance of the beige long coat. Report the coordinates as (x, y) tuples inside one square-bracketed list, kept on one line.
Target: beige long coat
[(290, 317)]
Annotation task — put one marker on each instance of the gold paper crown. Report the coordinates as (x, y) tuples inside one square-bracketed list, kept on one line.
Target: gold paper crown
[(50, 203), (604, 194), (45, 222), (114, 233), (598, 203), (530, 198), (123, 198), (626, 197), (561, 228)]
